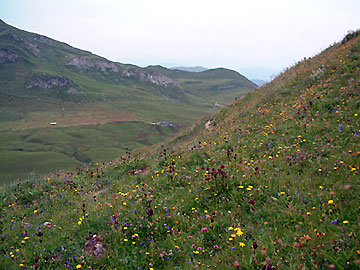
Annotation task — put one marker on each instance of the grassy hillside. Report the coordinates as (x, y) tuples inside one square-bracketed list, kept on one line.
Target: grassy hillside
[(43, 80), (271, 182)]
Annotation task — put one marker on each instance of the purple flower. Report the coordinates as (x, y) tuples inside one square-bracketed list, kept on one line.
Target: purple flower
[(340, 127)]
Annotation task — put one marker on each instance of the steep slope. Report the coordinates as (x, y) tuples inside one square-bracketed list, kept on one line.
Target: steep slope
[(44, 81), (270, 182)]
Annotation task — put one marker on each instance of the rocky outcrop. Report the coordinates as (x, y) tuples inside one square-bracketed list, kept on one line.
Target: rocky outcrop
[(47, 81), (106, 66), (135, 73), (7, 56), (44, 39), (80, 63), (32, 48), (84, 64), (152, 77)]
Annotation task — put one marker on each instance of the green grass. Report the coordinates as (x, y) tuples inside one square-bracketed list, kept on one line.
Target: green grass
[(20, 164), (67, 147)]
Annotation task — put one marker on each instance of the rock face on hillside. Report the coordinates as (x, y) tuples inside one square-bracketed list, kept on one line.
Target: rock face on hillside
[(156, 78), (83, 63), (151, 77), (80, 63), (30, 47), (47, 81), (7, 56)]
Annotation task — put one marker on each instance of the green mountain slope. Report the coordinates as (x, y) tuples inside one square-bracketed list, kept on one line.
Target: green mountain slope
[(217, 85), (269, 182), (44, 81), (35, 67)]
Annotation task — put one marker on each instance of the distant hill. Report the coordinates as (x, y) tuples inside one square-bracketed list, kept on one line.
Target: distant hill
[(217, 85), (191, 69), (44, 81), (258, 82)]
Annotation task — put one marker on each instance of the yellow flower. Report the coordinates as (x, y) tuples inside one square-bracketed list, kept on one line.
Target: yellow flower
[(78, 266), (345, 221), (239, 233), (242, 244), (330, 202)]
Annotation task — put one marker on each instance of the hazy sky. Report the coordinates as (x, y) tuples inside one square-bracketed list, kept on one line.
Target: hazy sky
[(256, 37)]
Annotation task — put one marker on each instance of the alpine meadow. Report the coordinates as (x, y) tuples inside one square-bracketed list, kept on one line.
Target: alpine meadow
[(157, 168)]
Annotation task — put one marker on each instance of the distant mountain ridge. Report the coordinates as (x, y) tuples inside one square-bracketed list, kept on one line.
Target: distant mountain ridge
[(258, 82), (191, 69)]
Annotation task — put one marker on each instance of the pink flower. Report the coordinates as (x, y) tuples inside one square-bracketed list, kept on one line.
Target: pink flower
[(204, 229)]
